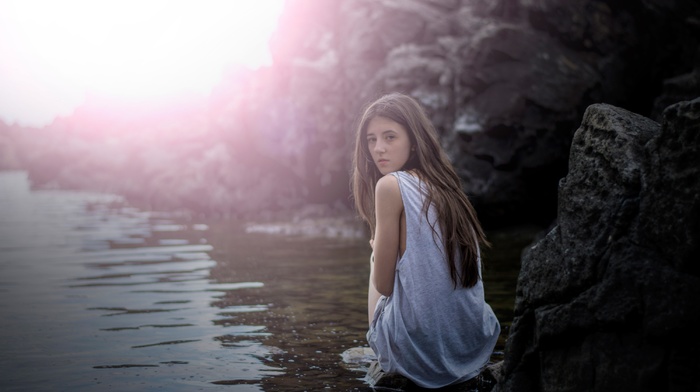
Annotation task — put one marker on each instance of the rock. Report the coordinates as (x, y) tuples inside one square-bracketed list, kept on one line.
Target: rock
[(609, 299), (504, 82), (358, 356), (676, 89)]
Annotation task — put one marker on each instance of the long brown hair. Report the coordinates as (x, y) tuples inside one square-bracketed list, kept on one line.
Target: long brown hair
[(461, 230)]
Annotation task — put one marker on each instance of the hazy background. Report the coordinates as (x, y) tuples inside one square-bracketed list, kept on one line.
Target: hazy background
[(247, 108)]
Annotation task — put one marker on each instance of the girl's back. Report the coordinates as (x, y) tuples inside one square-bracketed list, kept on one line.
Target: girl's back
[(428, 330)]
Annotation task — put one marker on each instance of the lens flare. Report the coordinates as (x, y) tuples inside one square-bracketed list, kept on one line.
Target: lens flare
[(54, 51)]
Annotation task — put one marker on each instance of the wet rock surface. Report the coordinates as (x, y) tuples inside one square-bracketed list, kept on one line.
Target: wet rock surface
[(608, 299)]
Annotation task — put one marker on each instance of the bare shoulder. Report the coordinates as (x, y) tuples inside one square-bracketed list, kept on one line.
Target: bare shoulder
[(387, 195), (388, 186)]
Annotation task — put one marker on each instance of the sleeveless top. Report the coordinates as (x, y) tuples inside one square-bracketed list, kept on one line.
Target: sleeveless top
[(427, 330)]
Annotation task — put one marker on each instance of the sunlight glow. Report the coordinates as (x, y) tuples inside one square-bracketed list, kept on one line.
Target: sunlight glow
[(127, 48)]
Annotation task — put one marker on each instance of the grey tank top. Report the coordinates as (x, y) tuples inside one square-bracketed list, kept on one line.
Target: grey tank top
[(427, 330)]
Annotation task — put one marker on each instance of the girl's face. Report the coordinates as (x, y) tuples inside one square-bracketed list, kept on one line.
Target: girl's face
[(389, 144)]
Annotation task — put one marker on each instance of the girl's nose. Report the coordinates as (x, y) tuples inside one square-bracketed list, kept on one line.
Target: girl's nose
[(379, 147)]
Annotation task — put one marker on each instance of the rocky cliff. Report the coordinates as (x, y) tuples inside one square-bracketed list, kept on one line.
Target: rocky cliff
[(505, 81), (609, 299)]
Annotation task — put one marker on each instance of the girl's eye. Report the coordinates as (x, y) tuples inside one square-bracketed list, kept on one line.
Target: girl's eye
[(371, 140)]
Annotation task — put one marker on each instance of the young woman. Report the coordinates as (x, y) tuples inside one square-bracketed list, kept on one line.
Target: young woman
[(428, 318)]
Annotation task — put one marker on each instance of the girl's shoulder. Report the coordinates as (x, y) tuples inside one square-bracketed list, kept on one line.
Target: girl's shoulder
[(412, 177), (407, 174), (412, 182), (388, 189), (390, 178)]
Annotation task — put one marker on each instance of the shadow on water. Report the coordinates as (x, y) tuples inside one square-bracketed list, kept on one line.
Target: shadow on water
[(101, 294)]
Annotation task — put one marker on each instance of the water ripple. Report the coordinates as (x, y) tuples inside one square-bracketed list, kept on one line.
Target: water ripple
[(166, 343), (147, 326), (116, 287)]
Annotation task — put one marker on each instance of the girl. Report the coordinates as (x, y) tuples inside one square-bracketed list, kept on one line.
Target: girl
[(428, 318)]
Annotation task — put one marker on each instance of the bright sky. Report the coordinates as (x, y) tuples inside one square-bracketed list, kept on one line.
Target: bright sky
[(53, 51)]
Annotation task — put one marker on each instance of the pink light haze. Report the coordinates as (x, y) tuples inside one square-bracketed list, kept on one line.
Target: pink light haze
[(53, 53)]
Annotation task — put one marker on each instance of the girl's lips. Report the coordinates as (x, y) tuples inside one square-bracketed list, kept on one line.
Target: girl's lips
[(382, 161)]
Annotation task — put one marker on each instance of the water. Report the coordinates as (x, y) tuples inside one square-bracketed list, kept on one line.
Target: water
[(96, 294)]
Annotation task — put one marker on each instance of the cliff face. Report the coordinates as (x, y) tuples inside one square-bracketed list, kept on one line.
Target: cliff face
[(609, 299), (505, 81)]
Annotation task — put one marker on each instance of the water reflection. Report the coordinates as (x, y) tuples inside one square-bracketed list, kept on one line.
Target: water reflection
[(102, 294), (98, 294)]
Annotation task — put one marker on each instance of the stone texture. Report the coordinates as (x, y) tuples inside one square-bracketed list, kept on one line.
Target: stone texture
[(504, 81), (608, 300)]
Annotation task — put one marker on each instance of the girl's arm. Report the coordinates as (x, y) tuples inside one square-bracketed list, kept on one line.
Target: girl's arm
[(388, 209)]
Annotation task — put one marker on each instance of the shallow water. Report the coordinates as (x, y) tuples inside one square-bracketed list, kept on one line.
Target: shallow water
[(96, 294)]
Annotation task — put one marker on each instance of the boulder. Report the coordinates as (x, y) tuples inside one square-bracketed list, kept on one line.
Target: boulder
[(608, 300)]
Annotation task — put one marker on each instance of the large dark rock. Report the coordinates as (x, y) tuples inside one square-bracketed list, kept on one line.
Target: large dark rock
[(609, 299), (505, 81)]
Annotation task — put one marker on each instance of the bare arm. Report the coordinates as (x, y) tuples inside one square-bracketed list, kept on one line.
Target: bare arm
[(388, 209)]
